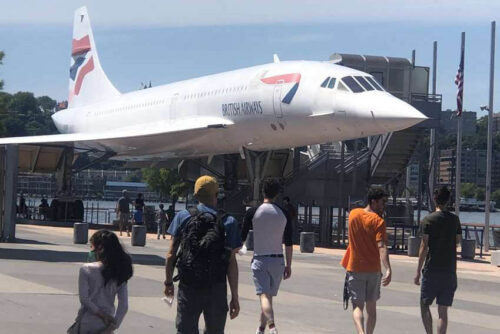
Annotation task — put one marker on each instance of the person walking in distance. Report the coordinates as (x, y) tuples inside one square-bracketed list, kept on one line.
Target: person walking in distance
[(367, 248), (162, 221), (123, 211), (203, 248), (271, 227), (441, 233), (100, 282)]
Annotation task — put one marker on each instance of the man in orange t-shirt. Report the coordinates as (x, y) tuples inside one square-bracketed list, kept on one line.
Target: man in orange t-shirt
[(367, 248)]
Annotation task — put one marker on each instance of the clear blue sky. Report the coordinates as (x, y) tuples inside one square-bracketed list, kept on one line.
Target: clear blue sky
[(165, 41)]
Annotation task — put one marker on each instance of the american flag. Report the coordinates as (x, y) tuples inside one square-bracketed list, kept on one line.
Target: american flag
[(459, 81)]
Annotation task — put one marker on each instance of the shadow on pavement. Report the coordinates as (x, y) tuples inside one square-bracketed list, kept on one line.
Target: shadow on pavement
[(32, 242), (65, 256)]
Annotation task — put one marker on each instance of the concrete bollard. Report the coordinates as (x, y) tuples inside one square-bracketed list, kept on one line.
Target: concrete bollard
[(468, 249), (495, 258), (307, 242), (414, 246), (249, 241), (138, 235), (80, 233), (496, 238)]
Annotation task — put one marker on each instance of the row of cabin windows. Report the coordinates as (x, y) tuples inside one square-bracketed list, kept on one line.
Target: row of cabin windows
[(186, 97), (215, 92), (130, 107), (356, 84)]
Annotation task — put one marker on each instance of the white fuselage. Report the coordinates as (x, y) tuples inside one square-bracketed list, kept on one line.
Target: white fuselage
[(261, 120)]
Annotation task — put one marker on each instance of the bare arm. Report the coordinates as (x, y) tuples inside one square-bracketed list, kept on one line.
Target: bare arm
[(384, 258), (232, 278), (169, 267), (422, 254), (122, 308)]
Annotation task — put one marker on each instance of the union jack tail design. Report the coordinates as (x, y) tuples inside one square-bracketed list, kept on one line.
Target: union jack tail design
[(290, 78), (87, 81), (459, 81)]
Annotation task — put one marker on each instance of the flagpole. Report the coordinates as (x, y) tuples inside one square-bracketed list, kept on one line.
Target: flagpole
[(433, 141), (486, 234), (458, 168)]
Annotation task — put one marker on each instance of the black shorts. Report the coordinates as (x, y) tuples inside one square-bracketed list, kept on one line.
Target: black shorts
[(440, 286)]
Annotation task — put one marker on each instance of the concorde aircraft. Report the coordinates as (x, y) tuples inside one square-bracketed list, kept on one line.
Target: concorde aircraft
[(279, 105)]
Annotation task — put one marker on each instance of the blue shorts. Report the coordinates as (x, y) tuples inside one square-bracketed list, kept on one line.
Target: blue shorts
[(440, 286), (267, 274)]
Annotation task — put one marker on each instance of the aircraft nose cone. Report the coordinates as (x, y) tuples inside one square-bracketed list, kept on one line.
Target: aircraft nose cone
[(395, 114)]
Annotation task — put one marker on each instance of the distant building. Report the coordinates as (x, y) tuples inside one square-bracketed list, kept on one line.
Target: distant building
[(448, 122), (113, 190), (496, 122), (62, 105), (473, 168)]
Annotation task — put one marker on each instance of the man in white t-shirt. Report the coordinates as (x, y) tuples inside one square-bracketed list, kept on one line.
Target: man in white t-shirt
[(271, 228)]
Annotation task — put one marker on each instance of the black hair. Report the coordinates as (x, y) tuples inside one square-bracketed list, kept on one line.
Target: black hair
[(271, 188), (139, 195), (117, 264), (376, 193), (286, 198), (442, 195), (161, 206)]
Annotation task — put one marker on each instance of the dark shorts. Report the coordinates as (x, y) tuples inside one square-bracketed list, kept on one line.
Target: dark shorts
[(440, 286), (191, 303)]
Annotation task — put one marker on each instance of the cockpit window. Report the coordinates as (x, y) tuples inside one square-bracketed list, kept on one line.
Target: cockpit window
[(352, 84), (325, 82), (374, 83), (364, 83), (342, 87), (331, 84)]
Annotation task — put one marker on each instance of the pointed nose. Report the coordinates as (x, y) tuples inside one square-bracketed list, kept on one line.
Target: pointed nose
[(393, 114)]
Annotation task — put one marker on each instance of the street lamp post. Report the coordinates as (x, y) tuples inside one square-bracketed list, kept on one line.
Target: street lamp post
[(486, 234)]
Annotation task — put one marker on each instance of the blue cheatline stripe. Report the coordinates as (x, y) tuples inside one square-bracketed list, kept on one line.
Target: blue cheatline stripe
[(72, 71), (288, 97)]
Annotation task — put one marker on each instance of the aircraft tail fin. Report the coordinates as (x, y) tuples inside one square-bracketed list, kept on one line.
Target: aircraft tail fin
[(87, 81)]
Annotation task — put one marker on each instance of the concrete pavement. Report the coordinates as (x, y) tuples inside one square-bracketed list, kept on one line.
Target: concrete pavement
[(38, 291)]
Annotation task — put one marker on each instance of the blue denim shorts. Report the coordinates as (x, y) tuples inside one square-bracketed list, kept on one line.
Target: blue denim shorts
[(267, 274)]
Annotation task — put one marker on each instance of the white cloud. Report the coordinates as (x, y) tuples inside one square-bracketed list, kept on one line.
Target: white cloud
[(229, 12)]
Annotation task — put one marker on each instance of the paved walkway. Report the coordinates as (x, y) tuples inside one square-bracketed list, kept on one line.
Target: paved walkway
[(38, 291)]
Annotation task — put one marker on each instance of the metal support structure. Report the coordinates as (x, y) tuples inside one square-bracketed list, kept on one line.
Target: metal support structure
[(458, 168), (64, 169), (257, 163), (9, 193), (340, 225), (104, 157), (486, 234), (433, 140)]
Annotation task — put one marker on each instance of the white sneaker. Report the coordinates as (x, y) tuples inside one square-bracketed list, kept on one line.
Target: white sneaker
[(273, 331), (258, 331)]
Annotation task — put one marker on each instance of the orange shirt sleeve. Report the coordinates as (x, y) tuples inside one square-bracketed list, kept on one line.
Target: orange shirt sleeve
[(380, 231)]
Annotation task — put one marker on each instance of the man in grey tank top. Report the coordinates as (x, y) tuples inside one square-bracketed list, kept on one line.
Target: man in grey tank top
[(271, 228)]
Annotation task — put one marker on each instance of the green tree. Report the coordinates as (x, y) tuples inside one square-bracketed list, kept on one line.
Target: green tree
[(495, 196), (46, 103), (166, 182), (24, 103), (480, 194), (468, 190)]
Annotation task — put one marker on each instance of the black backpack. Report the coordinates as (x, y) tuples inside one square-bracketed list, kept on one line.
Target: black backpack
[(202, 257)]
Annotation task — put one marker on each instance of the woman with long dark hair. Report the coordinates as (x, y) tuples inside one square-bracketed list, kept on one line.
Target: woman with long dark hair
[(100, 282)]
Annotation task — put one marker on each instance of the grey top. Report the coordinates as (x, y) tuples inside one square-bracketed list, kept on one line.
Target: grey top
[(124, 204), (271, 227), (94, 296)]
